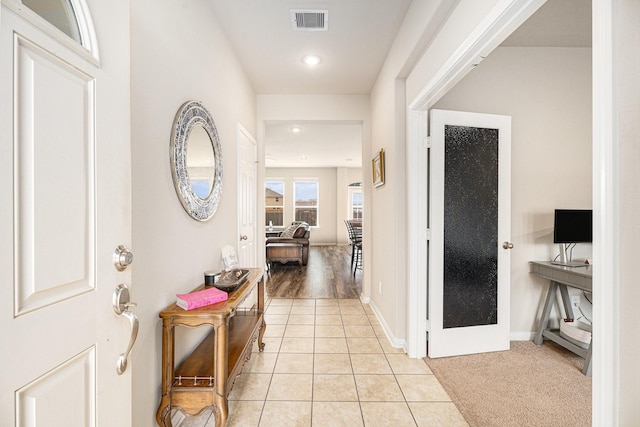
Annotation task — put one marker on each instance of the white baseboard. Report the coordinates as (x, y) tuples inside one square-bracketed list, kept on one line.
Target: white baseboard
[(393, 341), (521, 336)]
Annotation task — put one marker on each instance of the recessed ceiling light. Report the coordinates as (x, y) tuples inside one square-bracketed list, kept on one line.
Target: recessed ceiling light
[(311, 60), (296, 129)]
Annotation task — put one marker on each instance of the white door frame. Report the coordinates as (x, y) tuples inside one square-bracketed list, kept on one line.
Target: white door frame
[(499, 23), (502, 21), (606, 350)]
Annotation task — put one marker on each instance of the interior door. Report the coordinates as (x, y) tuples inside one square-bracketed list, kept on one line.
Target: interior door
[(247, 176), (65, 191), (469, 222)]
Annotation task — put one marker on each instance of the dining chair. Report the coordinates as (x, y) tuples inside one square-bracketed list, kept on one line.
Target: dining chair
[(354, 229)]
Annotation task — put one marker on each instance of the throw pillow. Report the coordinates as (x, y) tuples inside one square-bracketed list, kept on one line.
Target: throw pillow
[(289, 231), (301, 231)]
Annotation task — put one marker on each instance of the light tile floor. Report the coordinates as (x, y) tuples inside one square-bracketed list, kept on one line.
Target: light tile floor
[(327, 362)]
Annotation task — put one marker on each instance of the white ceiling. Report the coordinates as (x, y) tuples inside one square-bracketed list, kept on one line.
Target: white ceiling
[(353, 49), (318, 144)]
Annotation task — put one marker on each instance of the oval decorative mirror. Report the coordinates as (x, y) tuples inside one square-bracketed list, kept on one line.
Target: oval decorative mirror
[(196, 160)]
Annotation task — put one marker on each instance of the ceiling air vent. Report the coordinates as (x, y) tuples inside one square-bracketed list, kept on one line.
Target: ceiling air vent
[(310, 20)]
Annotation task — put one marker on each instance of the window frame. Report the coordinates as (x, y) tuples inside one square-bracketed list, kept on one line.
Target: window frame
[(350, 206), (86, 46), (281, 206), (316, 181)]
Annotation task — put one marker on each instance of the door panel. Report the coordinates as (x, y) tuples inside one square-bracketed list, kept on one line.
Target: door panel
[(54, 168), (469, 209), (247, 176), (65, 191), (71, 385)]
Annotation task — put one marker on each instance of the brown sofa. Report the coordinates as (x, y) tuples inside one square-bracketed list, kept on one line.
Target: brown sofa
[(301, 232)]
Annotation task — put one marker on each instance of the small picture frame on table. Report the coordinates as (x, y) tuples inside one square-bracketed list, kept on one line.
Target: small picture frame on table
[(377, 166)]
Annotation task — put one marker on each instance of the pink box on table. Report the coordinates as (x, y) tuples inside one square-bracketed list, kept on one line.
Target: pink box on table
[(200, 298)]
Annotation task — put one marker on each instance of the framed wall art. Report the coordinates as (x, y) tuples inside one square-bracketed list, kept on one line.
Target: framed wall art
[(377, 166)]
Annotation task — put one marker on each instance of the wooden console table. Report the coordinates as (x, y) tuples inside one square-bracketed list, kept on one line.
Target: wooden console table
[(559, 278), (204, 379)]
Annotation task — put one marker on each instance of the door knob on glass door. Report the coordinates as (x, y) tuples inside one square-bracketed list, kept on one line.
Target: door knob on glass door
[(507, 245)]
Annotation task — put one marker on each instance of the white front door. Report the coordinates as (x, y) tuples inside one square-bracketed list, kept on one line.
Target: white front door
[(468, 294), (65, 207), (247, 176)]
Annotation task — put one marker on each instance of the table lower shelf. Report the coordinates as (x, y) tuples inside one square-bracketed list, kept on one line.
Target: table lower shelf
[(199, 366)]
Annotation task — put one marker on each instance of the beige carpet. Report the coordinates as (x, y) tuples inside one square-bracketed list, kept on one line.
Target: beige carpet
[(526, 386)]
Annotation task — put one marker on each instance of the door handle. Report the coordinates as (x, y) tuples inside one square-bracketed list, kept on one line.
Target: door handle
[(243, 237), (507, 245), (121, 363), (121, 305)]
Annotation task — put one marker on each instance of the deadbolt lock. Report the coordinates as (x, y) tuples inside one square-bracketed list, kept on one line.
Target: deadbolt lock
[(122, 258)]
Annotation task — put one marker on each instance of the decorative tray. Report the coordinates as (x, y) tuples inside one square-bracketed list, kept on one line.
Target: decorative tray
[(232, 279)]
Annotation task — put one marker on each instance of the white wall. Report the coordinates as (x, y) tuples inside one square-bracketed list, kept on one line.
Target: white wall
[(547, 92), (385, 239), (178, 53)]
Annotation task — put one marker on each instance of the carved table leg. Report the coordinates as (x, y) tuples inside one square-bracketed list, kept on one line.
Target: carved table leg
[(221, 326), (163, 416), (263, 326)]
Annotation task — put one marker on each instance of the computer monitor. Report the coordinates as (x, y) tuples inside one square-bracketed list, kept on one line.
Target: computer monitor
[(572, 226)]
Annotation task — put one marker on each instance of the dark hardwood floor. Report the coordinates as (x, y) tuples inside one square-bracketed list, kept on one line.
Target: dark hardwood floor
[(327, 275)]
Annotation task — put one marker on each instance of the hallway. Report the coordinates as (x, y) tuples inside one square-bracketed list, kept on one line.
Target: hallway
[(328, 363)]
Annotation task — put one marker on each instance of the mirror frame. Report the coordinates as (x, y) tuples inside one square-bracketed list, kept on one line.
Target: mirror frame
[(189, 115)]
